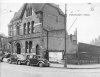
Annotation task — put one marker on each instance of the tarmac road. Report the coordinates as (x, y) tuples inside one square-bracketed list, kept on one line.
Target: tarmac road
[(13, 70)]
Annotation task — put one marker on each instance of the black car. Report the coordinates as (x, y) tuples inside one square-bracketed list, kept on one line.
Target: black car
[(37, 60), (1, 56), (13, 59), (18, 59)]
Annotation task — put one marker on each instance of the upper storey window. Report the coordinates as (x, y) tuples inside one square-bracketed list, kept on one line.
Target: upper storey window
[(18, 30), (10, 31), (28, 11)]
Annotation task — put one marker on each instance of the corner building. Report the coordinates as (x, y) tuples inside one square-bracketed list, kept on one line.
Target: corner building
[(37, 28)]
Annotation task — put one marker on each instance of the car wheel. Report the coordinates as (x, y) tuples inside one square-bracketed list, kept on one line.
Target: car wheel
[(18, 62), (28, 63), (48, 65), (10, 61), (40, 64)]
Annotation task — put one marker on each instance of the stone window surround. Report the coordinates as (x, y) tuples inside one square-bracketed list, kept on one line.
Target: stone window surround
[(29, 27)]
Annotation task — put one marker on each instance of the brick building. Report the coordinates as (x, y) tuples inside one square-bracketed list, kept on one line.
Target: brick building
[(37, 28)]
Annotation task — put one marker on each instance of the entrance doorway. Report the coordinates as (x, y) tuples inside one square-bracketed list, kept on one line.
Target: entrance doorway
[(37, 50), (18, 48)]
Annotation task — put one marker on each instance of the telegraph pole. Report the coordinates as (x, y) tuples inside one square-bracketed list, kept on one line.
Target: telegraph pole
[(65, 53)]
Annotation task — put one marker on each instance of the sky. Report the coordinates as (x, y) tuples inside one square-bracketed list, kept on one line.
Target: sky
[(85, 17)]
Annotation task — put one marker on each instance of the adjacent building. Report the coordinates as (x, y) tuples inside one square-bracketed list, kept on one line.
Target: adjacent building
[(3, 43), (88, 54)]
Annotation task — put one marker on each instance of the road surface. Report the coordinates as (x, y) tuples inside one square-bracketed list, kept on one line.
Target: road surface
[(13, 70)]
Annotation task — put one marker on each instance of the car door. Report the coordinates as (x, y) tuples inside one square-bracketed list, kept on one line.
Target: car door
[(35, 61), (15, 58)]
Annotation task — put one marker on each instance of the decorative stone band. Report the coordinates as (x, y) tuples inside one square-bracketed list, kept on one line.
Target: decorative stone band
[(37, 24)]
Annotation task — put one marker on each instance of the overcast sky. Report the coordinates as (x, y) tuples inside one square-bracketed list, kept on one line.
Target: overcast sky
[(88, 26)]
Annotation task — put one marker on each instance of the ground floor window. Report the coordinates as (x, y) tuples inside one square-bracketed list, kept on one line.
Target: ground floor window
[(37, 49), (18, 46)]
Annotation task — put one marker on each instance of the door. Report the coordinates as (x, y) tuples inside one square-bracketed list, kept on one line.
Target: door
[(35, 60)]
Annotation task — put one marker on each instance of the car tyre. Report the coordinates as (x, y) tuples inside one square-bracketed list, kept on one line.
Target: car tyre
[(19, 62), (10, 62), (48, 65), (40, 64)]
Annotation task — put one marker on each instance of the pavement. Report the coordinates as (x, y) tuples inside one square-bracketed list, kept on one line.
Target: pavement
[(56, 70), (89, 66)]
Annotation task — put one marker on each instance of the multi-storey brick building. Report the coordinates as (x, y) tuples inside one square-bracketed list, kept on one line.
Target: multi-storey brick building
[(37, 28)]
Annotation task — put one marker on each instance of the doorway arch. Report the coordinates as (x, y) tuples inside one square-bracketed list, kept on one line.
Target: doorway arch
[(18, 46), (37, 49)]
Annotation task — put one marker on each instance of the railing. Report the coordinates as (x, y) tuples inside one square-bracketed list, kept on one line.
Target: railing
[(91, 59)]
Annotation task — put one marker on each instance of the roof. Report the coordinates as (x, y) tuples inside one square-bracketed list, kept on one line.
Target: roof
[(88, 48), (18, 14), (36, 7)]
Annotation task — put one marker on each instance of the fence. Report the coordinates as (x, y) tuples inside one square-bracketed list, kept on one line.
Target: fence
[(83, 59)]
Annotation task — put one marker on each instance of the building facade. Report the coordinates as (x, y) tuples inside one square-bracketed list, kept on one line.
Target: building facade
[(3, 43), (37, 28)]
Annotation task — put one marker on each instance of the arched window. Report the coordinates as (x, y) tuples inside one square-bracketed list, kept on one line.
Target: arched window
[(26, 47), (28, 27), (24, 28), (32, 27), (37, 49), (30, 46), (18, 48), (18, 30), (28, 11), (10, 30)]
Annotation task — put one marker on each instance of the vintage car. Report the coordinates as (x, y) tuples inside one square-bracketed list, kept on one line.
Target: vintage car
[(13, 59), (6, 58), (18, 59), (37, 60), (1, 56)]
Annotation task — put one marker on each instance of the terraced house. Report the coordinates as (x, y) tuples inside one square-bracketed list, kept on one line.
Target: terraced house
[(37, 28)]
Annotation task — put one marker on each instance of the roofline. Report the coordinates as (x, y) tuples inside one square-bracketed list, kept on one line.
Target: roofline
[(54, 7)]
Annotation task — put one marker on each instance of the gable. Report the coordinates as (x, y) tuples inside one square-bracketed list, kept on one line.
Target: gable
[(19, 14)]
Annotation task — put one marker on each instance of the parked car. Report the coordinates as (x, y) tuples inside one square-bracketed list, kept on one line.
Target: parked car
[(13, 59), (6, 58), (18, 59), (37, 60), (1, 56)]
